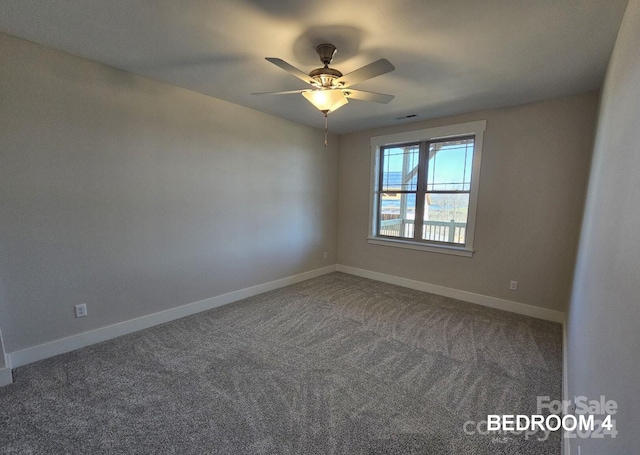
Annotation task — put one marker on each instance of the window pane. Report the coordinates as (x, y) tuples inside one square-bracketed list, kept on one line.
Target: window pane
[(450, 165), (400, 168), (397, 214), (445, 217)]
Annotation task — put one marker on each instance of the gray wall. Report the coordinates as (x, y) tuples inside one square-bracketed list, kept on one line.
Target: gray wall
[(135, 196), (604, 316), (535, 163)]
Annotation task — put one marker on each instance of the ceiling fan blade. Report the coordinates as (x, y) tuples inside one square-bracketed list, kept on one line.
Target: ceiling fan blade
[(367, 96), (369, 71), (288, 92), (291, 70)]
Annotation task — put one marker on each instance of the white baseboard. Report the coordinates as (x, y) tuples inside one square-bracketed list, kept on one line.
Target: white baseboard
[(6, 377), (5, 366), (493, 302), (60, 346)]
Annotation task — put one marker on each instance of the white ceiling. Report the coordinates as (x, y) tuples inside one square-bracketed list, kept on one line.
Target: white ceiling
[(451, 56)]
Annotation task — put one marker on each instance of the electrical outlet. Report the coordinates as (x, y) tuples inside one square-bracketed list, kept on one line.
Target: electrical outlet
[(81, 310), (326, 255), (513, 285)]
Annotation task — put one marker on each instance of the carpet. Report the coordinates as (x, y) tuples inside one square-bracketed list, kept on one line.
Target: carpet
[(333, 365)]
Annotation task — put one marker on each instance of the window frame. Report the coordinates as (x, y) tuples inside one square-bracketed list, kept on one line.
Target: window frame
[(460, 130)]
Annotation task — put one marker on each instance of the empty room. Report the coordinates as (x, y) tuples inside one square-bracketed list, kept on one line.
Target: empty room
[(288, 227)]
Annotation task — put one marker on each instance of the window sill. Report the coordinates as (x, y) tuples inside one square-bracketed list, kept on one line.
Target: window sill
[(431, 248)]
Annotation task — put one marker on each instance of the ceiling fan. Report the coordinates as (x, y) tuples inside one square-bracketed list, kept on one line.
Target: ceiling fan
[(330, 89)]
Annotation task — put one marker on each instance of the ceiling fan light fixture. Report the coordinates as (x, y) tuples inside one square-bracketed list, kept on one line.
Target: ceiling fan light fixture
[(331, 89), (326, 100)]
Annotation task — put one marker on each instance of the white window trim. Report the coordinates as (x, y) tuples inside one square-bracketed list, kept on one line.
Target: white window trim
[(477, 129)]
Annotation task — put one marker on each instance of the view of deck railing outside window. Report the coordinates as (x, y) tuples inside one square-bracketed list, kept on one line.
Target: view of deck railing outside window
[(438, 231)]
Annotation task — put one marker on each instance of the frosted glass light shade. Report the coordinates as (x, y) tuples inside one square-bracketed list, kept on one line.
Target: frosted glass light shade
[(326, 100)]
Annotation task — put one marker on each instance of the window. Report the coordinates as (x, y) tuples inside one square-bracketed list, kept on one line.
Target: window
[(425, 188)]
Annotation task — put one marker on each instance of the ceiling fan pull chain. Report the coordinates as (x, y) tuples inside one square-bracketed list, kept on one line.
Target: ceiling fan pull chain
[(326, 128)]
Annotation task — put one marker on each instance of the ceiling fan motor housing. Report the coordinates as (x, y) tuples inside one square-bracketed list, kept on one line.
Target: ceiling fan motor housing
[(325, 76)]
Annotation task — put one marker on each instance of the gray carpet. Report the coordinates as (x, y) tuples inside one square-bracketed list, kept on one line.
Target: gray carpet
[(333, 365)]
